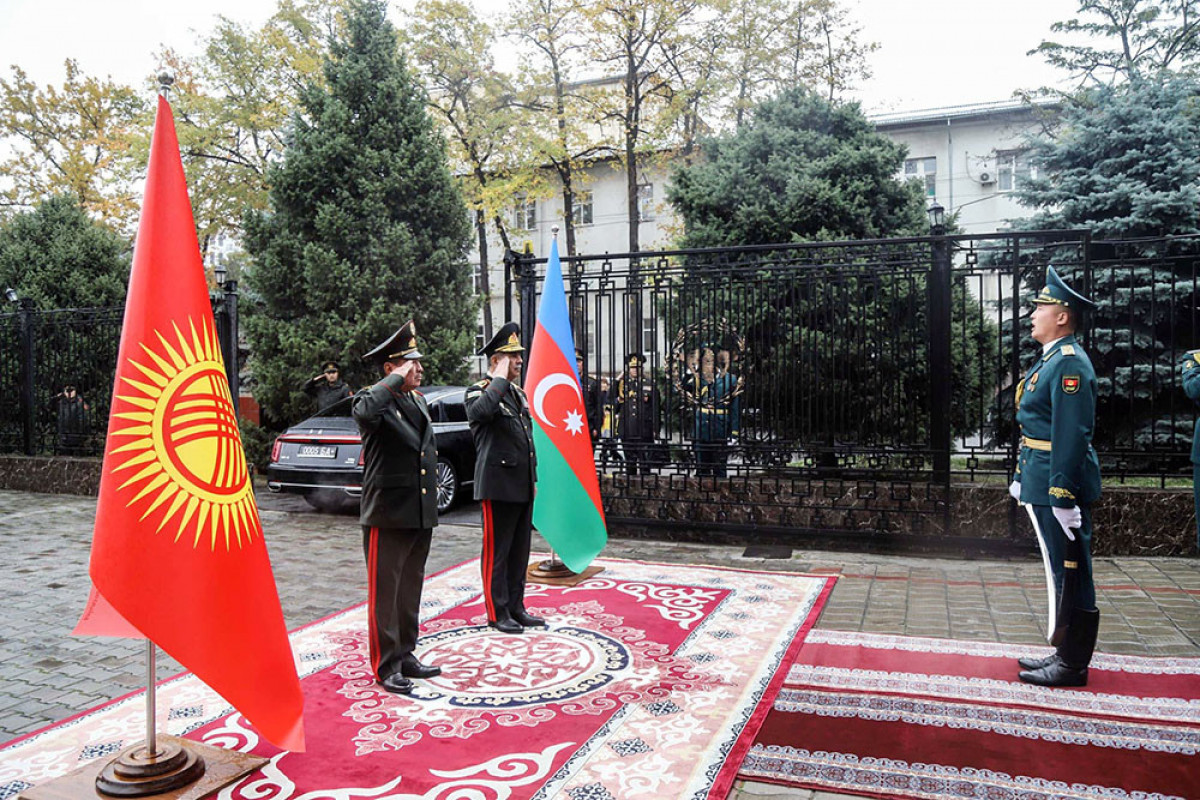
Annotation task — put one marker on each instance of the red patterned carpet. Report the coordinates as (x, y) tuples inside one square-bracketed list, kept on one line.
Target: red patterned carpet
[(650, 682), (899, 717)]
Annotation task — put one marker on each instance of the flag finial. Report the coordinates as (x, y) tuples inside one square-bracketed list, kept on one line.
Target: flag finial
[(165, 79), (554, 231)]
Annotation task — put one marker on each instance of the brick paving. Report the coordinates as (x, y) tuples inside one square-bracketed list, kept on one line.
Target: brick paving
[(1148, 606)]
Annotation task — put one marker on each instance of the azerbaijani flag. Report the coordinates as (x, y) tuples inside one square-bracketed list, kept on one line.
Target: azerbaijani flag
[(566, 508)]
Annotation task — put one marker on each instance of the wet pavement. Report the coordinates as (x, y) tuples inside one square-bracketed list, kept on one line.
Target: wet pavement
[(1149, 606)]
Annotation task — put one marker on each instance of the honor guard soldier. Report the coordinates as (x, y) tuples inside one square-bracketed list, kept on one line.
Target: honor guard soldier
[(505, 473), (1058, 480), (1191, 386), (637, 415), (327, 388), (399, 507)]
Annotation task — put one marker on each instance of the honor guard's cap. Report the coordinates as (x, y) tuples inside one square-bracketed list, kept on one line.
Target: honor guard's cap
[(330, 365), (400, 345), (635, 360), (1057, 292), (578, 354), (506, 340)]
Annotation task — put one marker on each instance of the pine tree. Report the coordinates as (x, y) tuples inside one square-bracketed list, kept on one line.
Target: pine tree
[(840, 333), (366, 228), (1125, 163)]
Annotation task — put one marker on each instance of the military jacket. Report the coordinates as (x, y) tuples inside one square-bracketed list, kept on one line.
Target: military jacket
[(1056, 409), (636, 404), (591, 404), (1191, 386), (718, 409), (399, 456), (326, 393), (505, 462)]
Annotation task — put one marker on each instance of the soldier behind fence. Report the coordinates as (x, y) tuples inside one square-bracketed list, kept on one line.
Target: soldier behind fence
[(72, 421), (1191, 387), (636, 407), (717, 413)]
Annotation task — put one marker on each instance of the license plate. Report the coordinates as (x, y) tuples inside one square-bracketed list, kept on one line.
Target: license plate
[(318, 451)]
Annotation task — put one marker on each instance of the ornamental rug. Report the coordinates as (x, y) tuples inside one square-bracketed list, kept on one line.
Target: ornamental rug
[(650, 682), (900, 717)]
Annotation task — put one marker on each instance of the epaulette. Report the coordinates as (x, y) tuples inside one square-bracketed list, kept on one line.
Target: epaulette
[(478, 386), (1067, 349)]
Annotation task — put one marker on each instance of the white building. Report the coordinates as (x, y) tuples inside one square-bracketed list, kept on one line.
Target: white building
[(971, 158)]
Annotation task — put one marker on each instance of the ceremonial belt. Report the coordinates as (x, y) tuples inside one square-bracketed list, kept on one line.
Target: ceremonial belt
[(714, 411), (1035, 444)]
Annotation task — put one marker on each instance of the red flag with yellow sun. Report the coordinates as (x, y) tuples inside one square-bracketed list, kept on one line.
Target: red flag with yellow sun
[(178, 548)]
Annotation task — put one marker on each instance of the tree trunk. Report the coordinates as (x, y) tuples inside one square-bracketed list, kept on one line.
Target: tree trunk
[(485, 288)]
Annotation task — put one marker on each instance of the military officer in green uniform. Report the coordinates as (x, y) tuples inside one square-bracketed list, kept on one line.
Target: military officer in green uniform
[(636, 408), (399, 507), (1191, 386), (505, 474), (1058, 479)]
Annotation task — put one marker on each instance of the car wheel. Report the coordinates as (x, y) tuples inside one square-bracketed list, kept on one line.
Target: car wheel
[(447, 485)]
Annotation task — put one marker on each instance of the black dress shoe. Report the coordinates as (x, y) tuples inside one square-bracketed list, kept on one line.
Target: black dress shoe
[(1037, 663), (397, 684), (411, 668), (527, 620), (506, 626), (1056, 674)]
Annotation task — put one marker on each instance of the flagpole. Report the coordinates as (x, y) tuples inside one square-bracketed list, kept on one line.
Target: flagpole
[(151, 737)]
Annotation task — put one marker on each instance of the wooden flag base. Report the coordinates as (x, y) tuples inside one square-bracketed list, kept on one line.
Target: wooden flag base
[(181, 770), (555, 573)]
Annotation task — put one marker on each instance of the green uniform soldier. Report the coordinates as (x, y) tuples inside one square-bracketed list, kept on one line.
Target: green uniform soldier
[(1191, 386), (1058, 479), (505, 476), (399, 507)]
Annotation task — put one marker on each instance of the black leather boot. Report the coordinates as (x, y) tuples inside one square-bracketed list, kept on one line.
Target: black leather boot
[(1070, 667), (410, 667), (1029, 662), (527, 620)]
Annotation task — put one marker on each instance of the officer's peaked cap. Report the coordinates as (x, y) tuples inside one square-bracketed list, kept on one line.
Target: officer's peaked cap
[(400, 345), (506, 340), (1057, 292)]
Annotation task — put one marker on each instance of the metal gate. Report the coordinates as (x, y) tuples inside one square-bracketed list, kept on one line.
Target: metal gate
[(868, 384)]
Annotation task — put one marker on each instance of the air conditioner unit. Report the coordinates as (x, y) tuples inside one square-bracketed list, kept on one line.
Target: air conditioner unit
[(986, 176)]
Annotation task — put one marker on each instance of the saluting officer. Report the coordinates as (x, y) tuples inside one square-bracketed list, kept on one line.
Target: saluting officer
[(637, 415), (1058, 479), (505, 473), (399, 507), (1191, 386)]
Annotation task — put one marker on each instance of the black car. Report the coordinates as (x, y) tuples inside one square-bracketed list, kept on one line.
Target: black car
[(321, 458)]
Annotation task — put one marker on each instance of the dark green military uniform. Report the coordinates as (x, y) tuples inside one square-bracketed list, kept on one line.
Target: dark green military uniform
[(1191, 386), (1057, 467), (399, 505), (718, 416), (325, 392), (636, 408), (505, 474)]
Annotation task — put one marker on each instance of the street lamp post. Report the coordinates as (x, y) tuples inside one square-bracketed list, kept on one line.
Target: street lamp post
[(227, 331)]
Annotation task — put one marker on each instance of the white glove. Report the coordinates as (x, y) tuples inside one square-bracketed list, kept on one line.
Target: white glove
[(1014, 489), (1069, 518)]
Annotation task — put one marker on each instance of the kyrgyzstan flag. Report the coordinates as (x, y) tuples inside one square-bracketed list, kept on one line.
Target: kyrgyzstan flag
[(566, 508), (178, 549)]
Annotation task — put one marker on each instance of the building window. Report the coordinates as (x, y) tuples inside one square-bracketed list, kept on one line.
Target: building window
[(581, 211), (645, 193), (477, 273), (480, 341), (924, 169), (1013, 169), (649, 334), (524, 213)]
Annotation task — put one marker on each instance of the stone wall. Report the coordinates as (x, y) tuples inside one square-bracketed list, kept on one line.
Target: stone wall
[(50, 474)]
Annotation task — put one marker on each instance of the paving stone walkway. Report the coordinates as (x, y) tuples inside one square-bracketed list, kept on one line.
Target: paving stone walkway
[(1148, 606)]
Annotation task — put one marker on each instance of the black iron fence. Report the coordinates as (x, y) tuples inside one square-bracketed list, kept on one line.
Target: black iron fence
[(42, 353), (863, 387)]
